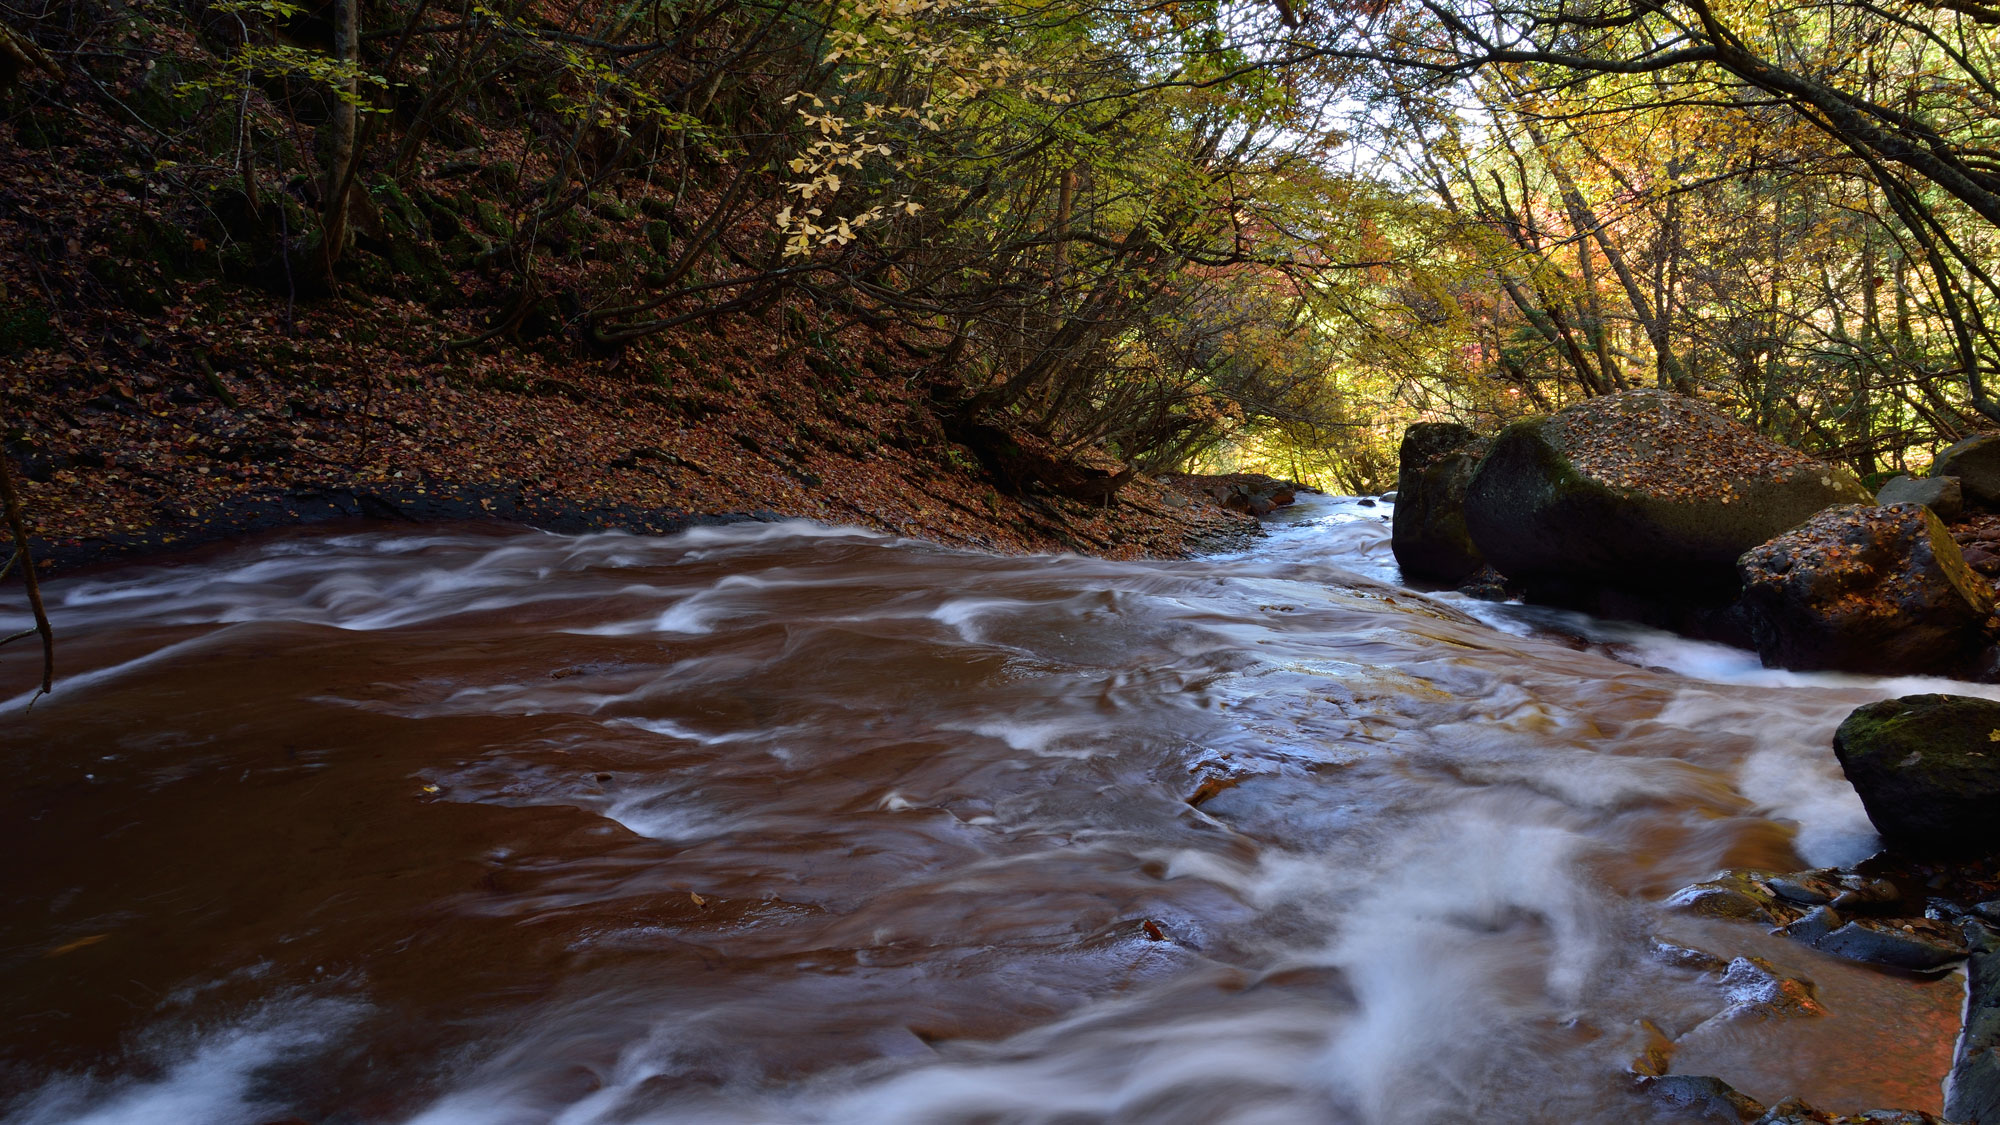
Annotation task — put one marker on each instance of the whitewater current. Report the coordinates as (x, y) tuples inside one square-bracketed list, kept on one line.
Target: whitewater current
[(786, 823)]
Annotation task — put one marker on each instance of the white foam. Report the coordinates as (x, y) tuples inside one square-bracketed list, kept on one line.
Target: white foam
[(210, 1077)]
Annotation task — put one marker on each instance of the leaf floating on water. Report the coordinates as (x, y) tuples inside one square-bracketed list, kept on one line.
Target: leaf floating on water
[(431, 790), (71, 947), (1153, 930), (697, 899)]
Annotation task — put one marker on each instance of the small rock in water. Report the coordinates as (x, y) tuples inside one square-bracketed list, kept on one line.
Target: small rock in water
[(1869, 896), (1717, 1101), (1807, 888), (1681, 957), (1758, 989), (1793, 1111), (1732, 894), (1817, 923), (1898, 946), (1656, 1051), (1712, 1098)]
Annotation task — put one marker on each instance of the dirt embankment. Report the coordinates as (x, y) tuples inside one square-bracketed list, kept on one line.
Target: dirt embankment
[(231, 410), (131, 439)]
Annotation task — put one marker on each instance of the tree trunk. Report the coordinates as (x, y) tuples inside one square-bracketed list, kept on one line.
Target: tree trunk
[(339, 183)]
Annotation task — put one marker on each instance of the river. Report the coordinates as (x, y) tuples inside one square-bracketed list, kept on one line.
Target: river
[(785, 823)]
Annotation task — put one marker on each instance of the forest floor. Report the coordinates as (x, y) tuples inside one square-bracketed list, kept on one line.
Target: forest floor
[(197, 410)]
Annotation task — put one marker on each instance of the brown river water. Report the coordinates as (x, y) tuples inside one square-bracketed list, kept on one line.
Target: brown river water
[(784, 823)]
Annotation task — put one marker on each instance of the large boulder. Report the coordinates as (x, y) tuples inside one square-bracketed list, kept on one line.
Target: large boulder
[(1927, 768), (1428, 532), (1976, 463), (1643, 497), (1942, 495), (1861, 588)]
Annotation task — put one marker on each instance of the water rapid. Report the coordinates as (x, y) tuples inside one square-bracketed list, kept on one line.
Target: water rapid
[(781, 823)]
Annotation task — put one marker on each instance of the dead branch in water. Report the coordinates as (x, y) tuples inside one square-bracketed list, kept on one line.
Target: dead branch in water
[(26, 561)]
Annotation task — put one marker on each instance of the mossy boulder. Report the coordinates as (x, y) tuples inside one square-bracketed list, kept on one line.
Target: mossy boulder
[(1429, 536), (1864, 588), (1927, 768), (1639, 499)]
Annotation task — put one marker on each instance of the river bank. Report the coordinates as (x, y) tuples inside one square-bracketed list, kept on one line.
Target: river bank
[(146, 441)]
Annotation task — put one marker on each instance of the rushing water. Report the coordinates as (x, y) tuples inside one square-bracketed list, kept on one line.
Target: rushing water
[(782, 823)]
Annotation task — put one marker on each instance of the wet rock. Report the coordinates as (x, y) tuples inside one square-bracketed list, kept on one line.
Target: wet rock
[(1976, 463), (1973, 1091), (1711, 1099), (1942, 495), (1927, 768), (1919, 945), (1737, 895), (1866, 589), (1816, 924), (1682, 957), (1486, 584), (1645, 494), (1758, 989), (1390, 496), (1428, 534), (1793, 1111), (1655, 1052), (1869, 896), (1808, 888)]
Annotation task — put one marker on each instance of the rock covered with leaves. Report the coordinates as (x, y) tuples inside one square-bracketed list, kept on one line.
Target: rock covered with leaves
[(1862, 588), (1437, 460), (1639, 499)]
